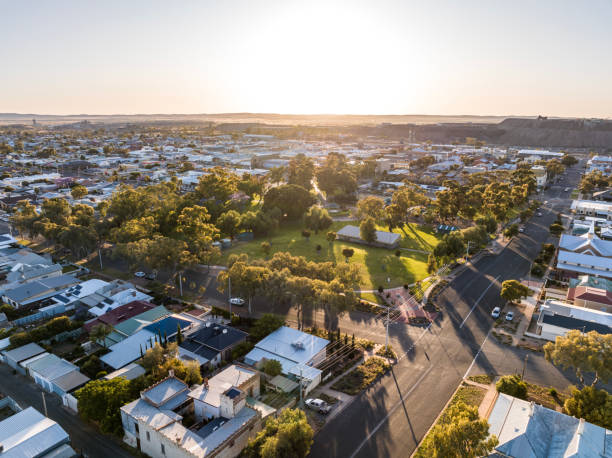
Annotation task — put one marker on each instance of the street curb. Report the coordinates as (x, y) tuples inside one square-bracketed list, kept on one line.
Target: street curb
[(437, 418)]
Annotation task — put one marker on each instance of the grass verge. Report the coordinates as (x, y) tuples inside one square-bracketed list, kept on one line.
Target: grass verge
[(362, 377)]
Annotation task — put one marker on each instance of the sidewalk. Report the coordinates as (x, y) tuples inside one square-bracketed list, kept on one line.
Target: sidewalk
[(489, 399)]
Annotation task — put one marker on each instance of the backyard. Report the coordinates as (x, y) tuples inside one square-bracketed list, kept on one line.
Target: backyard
[(377, 264)]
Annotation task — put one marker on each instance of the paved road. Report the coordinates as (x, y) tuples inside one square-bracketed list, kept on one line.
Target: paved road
[(85, 438), (390, 418)]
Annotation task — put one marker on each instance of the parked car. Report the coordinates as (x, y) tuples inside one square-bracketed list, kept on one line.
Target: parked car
[(539, 214), (521, 229), (566, 189), (237, 301), (495, 313), (152, 276), (139, 274), (319, 405), (509, 316)]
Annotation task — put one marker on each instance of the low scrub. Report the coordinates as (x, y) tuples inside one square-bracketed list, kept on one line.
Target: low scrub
[(362, 377)]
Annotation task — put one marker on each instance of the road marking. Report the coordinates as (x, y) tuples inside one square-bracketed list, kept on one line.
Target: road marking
[(478, 300), (381, 422), (477, 353), (415, 342)]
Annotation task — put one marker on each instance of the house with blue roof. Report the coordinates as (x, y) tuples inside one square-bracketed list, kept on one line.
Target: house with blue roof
[(298, 352)]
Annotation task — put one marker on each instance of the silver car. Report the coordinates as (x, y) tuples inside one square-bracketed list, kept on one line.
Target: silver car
[(319, 405)]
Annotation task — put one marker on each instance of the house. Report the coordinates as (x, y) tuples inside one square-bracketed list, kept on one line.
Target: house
[(539, 171), (23, 273), (526, 429), (17, 355), (211, 343), (28, 433), (298, 352), (208, 398), (129, 372), (595, 208), (36, 290), (584, 254), (591, 292), (533, 155), (557, 318), (121, 314), (131, 348), (54, 374), (384, 239), (153, 423)]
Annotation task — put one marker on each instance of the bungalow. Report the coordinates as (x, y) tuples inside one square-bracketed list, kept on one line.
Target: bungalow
[(384, 239), (54, 374), (298, 352), (591, 292), (17, 355), (526, 429), (211, 343), (37, 290), (557, 318), (29, 433)]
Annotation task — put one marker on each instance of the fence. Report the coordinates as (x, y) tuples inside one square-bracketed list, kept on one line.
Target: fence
[(47, 312)]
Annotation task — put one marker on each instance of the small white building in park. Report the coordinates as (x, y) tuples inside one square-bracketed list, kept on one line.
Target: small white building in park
[(384, 239)]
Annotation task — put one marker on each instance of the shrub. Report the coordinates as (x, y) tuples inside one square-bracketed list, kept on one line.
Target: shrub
[(553, 392), (512, 385), (272, 367)]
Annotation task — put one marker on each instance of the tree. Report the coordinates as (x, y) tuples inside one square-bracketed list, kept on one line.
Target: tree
[(595, 406), (331, 237), (267, 324), (289, 435), (272, 367), (556, 229), (513, 290), (266, 248), (568, 160), (432, 264), (512, 385), (78, 192), (99, 333), (370, 206), (460, 433), (367, 230), (554, 167), (585, 353), (336, 178), (489, 223), (511, 230), (348, 253), (229, 222), (179, 334), (290, 199), (300, 171), (306, 234), (101, 401), (317, 219)]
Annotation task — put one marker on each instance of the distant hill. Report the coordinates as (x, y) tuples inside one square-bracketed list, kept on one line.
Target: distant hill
[(497, 130)]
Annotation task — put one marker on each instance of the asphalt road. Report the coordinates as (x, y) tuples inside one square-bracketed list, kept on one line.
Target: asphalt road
[(85, 438), (390, 418)]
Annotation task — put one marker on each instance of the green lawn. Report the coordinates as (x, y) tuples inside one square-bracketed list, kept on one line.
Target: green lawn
[(377, 264)]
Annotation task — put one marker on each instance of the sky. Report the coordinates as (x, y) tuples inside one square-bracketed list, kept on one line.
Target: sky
[(453, 57)]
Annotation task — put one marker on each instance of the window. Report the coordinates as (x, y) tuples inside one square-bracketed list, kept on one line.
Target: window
[(163, 449), (148, 436), (136, 427)]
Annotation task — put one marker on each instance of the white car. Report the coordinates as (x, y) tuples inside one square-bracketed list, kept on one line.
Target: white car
[(237, 301), (319, 405), (538, 214), (509, 316), (495, 313), (566, 189), (521, 229), (140, 275)]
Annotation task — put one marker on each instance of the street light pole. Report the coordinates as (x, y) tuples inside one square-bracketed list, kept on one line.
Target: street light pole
[(229, 279), (524, 364)]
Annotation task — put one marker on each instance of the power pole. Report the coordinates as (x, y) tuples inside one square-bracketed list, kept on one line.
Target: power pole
[(301, 401), (524, 364), (387, 332), (229, 280)]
